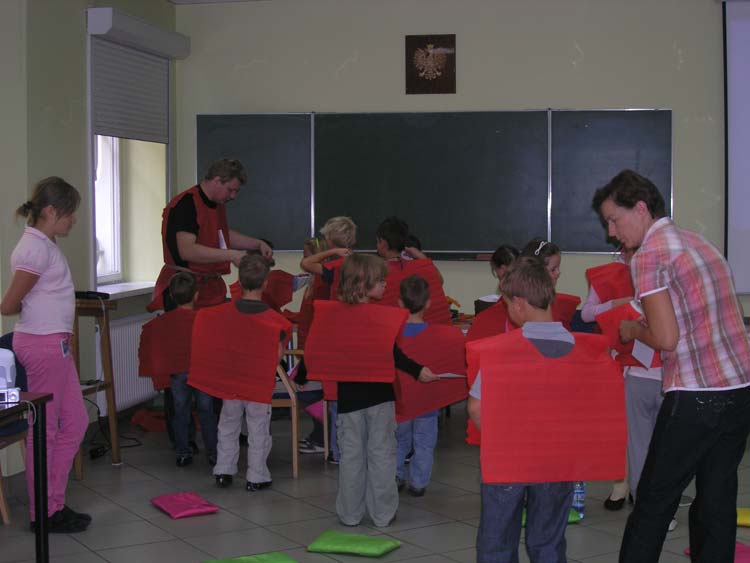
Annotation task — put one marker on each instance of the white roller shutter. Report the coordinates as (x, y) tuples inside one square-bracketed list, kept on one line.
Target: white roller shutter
[(129, 92)]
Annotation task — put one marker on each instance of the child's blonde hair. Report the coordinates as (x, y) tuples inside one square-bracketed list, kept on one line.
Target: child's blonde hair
[(360, 273), (340, 231)]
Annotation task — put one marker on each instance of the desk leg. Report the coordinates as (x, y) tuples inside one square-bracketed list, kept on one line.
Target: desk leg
[(40, 483), (106, 350)]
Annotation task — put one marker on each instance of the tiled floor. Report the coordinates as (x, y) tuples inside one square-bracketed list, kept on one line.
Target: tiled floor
[(439, 527)]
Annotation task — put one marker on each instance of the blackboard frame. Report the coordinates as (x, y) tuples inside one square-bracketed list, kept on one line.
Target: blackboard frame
[(301, 201)]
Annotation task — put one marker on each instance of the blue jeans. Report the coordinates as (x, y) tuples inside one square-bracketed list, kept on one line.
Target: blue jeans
[(421, 432), (182, 396), (547, 507)]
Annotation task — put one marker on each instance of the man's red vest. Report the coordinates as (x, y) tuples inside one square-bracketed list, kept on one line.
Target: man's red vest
[(279, 290), (490, 322), (211, 288), (353, 342), (438, 312), (564, 307), (550, 420), (442, 349), (611, 281), (609, 323), (164, 348), (235, 354)]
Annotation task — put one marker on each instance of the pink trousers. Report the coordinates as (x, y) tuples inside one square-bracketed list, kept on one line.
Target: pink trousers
[(50, 369)]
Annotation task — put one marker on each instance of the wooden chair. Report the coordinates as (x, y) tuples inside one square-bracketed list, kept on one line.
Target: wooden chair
[(6, 441), (290, 401), (299, 353)]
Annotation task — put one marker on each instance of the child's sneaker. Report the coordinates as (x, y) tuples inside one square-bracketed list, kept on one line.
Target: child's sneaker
[(331, 459), (672, 525), (311, 448)]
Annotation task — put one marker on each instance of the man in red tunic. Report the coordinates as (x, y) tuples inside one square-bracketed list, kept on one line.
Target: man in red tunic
[(196, 237)]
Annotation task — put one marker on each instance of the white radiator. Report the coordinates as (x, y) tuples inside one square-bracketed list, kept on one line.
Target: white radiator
[(130, 389)]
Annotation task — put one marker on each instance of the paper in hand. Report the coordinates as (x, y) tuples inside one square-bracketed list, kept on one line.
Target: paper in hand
[(643, 353)]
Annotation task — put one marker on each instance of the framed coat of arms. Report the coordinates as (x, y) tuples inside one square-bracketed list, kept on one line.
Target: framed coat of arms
[(430, 64)]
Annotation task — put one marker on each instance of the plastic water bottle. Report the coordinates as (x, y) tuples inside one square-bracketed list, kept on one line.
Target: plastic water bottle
[(579, 497)]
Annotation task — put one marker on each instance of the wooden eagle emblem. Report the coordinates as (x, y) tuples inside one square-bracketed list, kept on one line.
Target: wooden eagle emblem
[(430, 62)]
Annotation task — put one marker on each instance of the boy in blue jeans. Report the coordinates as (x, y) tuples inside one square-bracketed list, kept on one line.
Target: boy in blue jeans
[(528, 292), (184, 292)]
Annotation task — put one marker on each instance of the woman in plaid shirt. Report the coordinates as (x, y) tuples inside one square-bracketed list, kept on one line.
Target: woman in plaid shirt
[(691, 314)]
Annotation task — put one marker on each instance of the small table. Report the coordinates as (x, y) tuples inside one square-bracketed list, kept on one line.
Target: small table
[(12, 413), (99, 309)]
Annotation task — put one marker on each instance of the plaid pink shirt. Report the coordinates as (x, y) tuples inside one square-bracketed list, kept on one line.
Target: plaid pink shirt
[(713, 350)]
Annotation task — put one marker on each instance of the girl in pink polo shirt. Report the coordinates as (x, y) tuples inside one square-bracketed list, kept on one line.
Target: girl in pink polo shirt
[(41, 293)]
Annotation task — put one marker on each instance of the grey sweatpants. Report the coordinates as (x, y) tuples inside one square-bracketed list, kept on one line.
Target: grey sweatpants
[(642, 402), (367, 465), (258, 418)]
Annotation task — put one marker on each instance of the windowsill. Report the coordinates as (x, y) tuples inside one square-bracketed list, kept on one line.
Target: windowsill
[(122, 290)]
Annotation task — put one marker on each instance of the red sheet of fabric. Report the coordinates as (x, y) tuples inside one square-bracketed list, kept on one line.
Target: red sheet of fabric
[(548, 420), (211, 288), (330, 390), (442, 349), (564, 307), (164, 347), (609, 323), (490, 322), (439, 311), (278, 292), (235, 354), (611, 281), (353, 342), (183, 505)]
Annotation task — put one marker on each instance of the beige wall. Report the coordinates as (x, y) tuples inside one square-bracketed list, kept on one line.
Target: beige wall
[(13, 138), (142, 197), (347, 55)]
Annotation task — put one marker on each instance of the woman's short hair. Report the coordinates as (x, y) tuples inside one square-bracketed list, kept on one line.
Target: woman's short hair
[(626, 189)]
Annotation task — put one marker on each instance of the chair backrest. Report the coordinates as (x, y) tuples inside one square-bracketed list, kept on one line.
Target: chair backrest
[(6, 341)]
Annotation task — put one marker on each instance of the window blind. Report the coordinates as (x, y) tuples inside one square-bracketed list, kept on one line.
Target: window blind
[(129, 92)]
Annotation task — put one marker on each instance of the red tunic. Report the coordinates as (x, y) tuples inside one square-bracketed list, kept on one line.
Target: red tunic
[(235, 354), (164, 348), (550, 420), (353, 342), (611, 281), (279, 289), (442, 349), (490, 322), (564, 307), (211, 287), (609, 323)]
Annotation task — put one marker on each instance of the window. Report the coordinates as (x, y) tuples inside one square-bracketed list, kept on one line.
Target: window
[(107, 212)]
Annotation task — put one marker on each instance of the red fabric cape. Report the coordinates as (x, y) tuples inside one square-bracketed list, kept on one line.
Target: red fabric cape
[(490, 322), (549, 420), (164, 347), (611, 281), (442, 349), (609, 323), (211, 289), (353, 342), (234, 354), (279, 290), (564, 307)]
